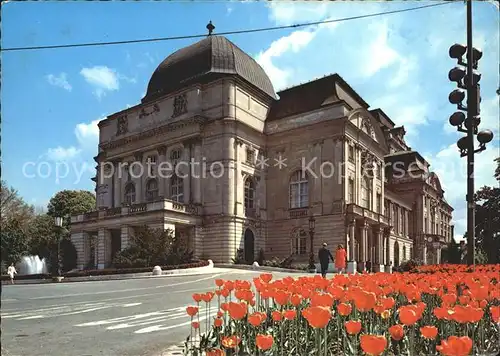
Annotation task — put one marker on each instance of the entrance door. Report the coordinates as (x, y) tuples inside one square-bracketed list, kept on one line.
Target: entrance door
[(396, 254), (249, 246), (116, 243)]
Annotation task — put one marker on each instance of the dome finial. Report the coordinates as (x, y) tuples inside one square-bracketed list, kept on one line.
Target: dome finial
[(210, 28)]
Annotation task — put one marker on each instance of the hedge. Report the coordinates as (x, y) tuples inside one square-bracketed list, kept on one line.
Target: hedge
[(108, 271)]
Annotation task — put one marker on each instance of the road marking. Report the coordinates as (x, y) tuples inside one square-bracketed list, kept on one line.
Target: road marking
[(131, 305), (127, 290)]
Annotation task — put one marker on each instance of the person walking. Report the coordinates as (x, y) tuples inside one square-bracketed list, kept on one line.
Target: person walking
[(340, 259), (11, 271), (324, 256)]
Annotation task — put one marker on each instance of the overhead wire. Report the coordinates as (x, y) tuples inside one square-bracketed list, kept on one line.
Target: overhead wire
[(263, 29)]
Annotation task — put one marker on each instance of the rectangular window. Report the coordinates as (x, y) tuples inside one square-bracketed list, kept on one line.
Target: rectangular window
[(350, 191), (350, 155), (151, 163), (425, 225), (379, 203), (250, 159)]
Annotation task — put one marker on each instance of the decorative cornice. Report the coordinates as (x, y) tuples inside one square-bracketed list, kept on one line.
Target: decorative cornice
[(172, 126), (191, 141), (238, 141)]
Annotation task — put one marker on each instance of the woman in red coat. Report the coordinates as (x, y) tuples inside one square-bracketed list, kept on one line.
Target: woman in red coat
[(340, 259)]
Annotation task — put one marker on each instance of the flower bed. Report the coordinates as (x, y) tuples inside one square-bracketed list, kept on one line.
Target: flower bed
[(451, 313), (108, 271)]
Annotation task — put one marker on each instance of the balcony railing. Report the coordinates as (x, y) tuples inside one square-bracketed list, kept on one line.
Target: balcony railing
[(159, 205), (366, 213), (298, 213)]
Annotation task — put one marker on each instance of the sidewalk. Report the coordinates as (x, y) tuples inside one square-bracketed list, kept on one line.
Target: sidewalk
[(113, 277)]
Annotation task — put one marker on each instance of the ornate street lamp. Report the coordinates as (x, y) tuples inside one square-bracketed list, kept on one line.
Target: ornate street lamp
[(312, 223), (467, 80)]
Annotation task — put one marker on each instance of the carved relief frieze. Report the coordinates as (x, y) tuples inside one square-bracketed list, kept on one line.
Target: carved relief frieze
[(145, 113), (170, 127), (122, 125), (180, 105)]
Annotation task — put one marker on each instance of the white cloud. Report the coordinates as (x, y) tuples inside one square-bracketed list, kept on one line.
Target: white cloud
[(104, 79), (452, 172), (59, 81), (87, 137), (292, 43), (62, 153)]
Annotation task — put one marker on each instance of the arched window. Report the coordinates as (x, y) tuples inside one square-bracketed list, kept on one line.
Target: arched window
[(152, 189), (404, 253), (366, 193), (175, 157), (299, 190), (177, 189), (249, 195), (299, 242), (151, 163), (130, 194)]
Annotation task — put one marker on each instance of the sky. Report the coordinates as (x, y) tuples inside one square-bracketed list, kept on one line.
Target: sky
[(52, 99)]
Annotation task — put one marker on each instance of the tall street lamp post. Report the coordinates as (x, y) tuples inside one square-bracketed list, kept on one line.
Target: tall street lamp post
[(58, 222), (467, 80), (312, 222)]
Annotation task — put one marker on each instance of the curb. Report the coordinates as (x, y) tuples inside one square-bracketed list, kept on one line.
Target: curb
[(116, 277), (260, 268)]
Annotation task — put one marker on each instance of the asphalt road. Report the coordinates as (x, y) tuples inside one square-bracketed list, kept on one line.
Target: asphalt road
[(123, 318)]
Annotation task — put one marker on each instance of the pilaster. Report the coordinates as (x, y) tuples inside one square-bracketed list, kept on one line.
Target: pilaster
[(163, 170), (103, 248), (138, 176)]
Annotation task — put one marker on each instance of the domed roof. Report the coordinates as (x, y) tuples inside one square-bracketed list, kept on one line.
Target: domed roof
[(210, 58)]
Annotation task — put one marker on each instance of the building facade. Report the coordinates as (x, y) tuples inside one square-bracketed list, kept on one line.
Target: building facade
[(212, 153)]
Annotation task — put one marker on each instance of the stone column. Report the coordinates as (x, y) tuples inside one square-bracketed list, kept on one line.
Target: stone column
[(379, 250), (351, 264), (163, 170), (364, 245), (387, 234)]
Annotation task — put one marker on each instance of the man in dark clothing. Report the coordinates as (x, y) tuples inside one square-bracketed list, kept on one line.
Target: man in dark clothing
[(324, 256)]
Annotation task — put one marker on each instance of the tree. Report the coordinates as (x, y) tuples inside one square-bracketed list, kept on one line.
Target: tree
[(452, 254), (14, 211), (487, 220), (14, 244), (71, 202)]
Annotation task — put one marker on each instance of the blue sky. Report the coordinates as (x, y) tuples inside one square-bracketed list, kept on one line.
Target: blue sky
[(52, 99)]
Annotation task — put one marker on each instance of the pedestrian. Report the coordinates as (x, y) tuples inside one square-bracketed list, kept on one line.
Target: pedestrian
[(340, 259), (324, 256), (11, 271)]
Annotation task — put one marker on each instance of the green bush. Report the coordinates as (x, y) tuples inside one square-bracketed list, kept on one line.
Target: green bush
[(153, 247), (239, 259), (280, 262)]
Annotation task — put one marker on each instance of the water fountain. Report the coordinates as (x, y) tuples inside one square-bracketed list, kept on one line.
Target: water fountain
[(32, 265)]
